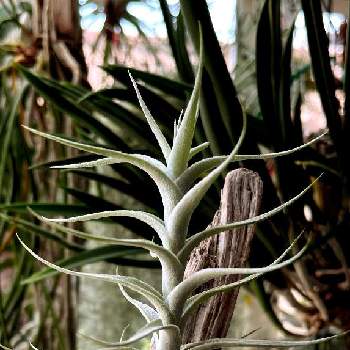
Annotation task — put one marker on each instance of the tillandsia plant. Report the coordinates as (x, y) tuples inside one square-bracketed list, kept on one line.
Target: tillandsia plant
[(182, 186)]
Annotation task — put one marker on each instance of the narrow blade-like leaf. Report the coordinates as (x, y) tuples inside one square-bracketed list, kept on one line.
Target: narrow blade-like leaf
[(180, 152), (169, 191), (191, 174), (198, 237), (163, 143), (144, 289)]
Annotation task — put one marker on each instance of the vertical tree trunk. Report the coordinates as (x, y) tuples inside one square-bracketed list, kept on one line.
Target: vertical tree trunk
[(56, 26)]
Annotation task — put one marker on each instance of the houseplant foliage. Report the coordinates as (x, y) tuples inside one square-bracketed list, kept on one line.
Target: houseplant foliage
[(330, 202), (47, 49), (220, 120), (182, 186)]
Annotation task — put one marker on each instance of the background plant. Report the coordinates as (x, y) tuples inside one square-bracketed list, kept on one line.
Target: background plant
[(220, 115), (180, 194), (32, 35)]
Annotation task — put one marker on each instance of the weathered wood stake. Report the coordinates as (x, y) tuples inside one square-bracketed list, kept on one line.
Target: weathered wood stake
[(240, 199)]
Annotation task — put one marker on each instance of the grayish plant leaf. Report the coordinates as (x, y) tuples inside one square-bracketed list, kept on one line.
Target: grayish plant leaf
[(140, 287), (32, 346), (163, 144), (199, 298), (196, 170), (146, 311), (193, 241), (153, 221), (149, 329), (195, 150), (93, 163), (177, 224), (166, 257), (180, 152), (169, 191), (183, 290), (234, 343)]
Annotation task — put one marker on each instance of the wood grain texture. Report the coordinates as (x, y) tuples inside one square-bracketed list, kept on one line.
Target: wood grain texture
[(240, 199)]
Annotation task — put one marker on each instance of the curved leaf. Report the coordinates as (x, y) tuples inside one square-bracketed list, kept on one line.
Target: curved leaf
[(146, 311), (150, 219), (163, 144), (195, 150), (183, 290), (150, 328), (178, 222), (233, 343), (192, 173), (199, 298), (165, 256), (198, 237), (120, 256), (156, 170), (140, 287)]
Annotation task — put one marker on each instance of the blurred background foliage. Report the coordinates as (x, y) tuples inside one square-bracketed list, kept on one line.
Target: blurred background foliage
[(64, 69)]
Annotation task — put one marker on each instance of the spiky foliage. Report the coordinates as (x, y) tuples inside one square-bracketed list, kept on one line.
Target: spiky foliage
[(182, 187)]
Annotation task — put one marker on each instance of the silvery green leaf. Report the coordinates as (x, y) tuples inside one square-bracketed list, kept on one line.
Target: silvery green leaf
[(194, 240), (183, 290), (153, 221), (90, 164), (146, 311), (169, 191), (177, 224), (166, 257), (196, 170), (195, 150), (199, 298), (180, 152), (32, 346), (138, 286), (163, 144), (149, 329), (233, 343)]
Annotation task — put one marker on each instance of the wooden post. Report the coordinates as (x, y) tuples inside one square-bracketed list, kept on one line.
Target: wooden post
[(240, 199)]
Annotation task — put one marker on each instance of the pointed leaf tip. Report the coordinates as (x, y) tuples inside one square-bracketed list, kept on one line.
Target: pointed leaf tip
[(180, 153), (163, 143)]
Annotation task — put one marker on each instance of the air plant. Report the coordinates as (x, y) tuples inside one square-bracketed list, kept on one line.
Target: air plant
[(182, 186)]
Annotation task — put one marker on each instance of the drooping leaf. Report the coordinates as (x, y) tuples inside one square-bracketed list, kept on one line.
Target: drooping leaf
[(153, 221), (156, 170), (166, 257), (150, 328), (119, 256), (140, 287)]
